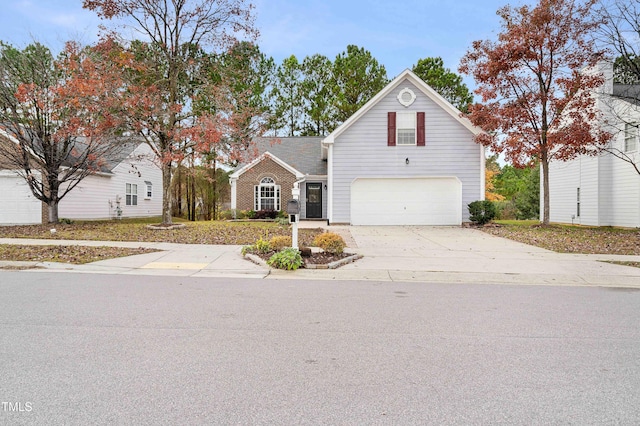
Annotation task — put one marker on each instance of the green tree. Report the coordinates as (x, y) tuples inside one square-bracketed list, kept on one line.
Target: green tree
[(245, 74), (316, 92), (444, 81), (357, 77), (288, 103), (521, 189)]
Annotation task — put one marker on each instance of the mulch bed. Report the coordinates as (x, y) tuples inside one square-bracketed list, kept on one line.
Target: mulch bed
[(321, 258)]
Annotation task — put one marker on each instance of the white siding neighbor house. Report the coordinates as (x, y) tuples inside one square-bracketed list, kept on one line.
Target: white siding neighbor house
[(602, 190), (129, 185), (407, 157)]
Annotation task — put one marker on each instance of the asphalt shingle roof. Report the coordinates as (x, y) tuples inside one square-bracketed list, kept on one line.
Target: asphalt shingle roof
[(627, 92), (302, 153)]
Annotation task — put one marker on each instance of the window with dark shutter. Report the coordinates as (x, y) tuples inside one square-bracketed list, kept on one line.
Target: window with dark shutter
[(391, 129), (420, 129)]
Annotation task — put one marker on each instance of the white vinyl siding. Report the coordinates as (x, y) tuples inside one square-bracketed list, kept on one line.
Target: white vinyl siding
[(98, 196), (609, 192), (362, 151)]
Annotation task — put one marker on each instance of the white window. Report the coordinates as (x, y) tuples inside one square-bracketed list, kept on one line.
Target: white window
[(267, 195), (132, 194), (406, 128), (149, 187), (630, 137)]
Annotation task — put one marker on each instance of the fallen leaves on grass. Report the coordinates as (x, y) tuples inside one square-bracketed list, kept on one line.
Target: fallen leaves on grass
[(226, 233), (572, 239), (66, 254)]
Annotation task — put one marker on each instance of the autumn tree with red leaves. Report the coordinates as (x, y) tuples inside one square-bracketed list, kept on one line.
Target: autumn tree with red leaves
[(173, 70), (536, 99), (55, 119)]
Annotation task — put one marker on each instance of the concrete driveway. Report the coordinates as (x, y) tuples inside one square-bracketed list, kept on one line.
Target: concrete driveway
[(458, 254)]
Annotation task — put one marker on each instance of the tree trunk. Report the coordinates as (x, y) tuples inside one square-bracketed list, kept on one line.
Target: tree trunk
[(179, 195), (215, 190), (192, 202), (53, 211), (166, 193), (544, 163)]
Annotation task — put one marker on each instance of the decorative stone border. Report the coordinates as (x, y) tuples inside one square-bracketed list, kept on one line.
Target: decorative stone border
[(335, 264), (161, 227), (332, 265)]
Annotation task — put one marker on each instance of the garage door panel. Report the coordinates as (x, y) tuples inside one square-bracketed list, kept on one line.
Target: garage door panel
[(18, 206), (406, 201)]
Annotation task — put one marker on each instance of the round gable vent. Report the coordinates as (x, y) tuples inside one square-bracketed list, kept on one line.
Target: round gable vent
[(406, 97)]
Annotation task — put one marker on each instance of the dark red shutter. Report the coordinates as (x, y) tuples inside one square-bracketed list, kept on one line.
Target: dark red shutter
[(420, 126), (391, 129)]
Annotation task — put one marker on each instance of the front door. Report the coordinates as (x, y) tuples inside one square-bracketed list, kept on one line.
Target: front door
[(314, 200)]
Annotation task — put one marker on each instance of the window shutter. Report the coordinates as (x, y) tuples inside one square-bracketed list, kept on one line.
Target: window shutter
[(391, 129), (256, 198), (420, 129), (277, 203)]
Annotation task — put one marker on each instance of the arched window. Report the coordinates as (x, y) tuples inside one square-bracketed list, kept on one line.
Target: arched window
[(267, 195)]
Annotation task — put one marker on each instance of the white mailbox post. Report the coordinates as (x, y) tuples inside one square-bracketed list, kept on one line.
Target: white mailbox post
[(293, 210)]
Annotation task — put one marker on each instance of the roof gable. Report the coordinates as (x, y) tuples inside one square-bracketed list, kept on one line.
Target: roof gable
[(124, 148), (262, 157), (406, 75)]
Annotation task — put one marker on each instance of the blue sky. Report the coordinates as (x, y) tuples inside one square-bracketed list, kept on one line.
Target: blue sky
[(396, 33)]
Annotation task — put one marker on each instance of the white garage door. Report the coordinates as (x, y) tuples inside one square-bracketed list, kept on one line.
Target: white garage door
[(17, 204), (406, 201)]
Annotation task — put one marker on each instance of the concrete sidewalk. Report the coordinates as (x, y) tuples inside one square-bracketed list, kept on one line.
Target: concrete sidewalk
[(393, 253)]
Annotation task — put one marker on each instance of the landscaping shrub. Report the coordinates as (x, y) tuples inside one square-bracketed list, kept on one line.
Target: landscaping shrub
[(225, 215), (265, 214), (330, 242), (250, 214), (263, 246), (248, 249), (282, 221), (481, 212), (288, 259), (280, 242)]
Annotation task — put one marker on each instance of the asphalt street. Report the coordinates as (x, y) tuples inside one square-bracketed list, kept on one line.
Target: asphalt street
[(84, 349)]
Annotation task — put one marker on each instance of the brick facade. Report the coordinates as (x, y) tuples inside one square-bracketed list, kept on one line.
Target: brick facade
[(252, 177)]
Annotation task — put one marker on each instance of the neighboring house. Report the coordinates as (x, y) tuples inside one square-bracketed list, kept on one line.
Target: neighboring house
[(407, 157), (266, 182), (128, 185), (602, 190)]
